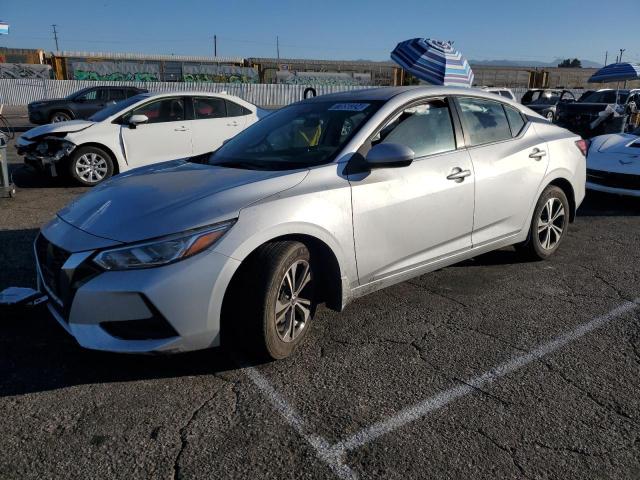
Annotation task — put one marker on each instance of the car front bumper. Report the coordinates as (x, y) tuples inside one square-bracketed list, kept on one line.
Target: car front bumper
[(166, 309)]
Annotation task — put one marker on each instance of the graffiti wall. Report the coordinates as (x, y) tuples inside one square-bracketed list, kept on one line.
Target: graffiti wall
[(116, 71), (219, 74), (323, 78), (25, 70)]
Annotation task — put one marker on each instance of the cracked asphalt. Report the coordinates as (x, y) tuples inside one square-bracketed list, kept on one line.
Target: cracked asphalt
[(573, 414)]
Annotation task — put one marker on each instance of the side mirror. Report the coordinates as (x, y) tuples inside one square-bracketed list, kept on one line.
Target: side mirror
[(389, 155), (135, 120)]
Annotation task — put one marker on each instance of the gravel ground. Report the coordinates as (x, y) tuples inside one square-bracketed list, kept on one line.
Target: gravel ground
[(573, 412)]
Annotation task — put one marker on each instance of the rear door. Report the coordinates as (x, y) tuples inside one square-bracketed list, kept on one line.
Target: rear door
[(211, 125), (166, 136), (509, 161), (408, 216)]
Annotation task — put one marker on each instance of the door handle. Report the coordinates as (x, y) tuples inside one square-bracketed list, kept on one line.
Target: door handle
[(181, 129), (537, 154), (458, 174), (232, 124)]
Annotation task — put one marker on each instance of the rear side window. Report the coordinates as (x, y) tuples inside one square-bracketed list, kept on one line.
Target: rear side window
[(425, 128), (208, 107), (516, 122), (235, 110), (484, 121)]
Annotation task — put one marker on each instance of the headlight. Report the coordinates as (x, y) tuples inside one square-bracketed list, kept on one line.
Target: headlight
[(162, 252)]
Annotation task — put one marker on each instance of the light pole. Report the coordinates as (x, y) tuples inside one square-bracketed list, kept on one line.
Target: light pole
[(621, 51)]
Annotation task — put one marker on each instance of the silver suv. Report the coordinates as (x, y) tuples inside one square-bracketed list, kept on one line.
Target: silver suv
[(321, 202)]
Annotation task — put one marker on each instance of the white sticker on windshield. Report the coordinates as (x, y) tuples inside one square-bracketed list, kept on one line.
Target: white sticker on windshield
[(350, 107)]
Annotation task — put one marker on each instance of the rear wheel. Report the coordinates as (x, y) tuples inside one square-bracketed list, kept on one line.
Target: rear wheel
[(548, 225), (59, 117), (90, 165), (274, 301)]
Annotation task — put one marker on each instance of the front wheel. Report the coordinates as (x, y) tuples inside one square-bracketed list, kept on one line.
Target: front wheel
[(548, 226), (57, 117), (275, 301), (90, 165)]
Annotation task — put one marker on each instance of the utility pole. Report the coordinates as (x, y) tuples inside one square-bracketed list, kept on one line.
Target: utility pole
[(621, 51), (278, 47), (215, 45), (606, 55), (55, 36)]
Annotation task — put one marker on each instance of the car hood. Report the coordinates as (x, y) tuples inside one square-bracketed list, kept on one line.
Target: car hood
[(172, 197), (619, 143), (60, 127), (613, 154)]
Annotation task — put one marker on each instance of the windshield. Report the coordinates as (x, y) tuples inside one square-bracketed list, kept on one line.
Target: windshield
[(115, 108), (73, 95), (605, 96), (547, 98), (298, 136)]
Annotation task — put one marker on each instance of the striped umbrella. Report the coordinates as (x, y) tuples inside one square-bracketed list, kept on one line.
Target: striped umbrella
[(616, 72), (433, 61)]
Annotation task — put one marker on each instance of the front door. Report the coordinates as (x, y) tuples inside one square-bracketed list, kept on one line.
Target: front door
[(510, 161), (407, 217), (166, 136)]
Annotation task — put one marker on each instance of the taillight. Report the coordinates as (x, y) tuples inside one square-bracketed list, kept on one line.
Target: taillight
[(583, 146)]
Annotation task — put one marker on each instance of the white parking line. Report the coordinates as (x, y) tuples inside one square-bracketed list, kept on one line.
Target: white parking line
[(410, 414), (333, 455), (323, 449)]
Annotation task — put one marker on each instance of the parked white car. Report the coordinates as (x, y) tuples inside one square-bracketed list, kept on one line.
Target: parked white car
[(141, 130), (613, 164)]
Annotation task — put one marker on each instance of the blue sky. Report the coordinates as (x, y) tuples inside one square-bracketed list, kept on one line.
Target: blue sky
[(482, 30)]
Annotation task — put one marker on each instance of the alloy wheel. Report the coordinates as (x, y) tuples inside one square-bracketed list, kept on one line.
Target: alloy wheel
[(91, 167), (551, 223), (60, 117), (293, 307)]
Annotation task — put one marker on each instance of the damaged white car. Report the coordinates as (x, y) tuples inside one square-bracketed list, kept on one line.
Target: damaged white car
[(141, 130)]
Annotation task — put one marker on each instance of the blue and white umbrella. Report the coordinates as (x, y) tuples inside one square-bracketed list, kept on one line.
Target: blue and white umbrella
[(616, 72), (433, 61)]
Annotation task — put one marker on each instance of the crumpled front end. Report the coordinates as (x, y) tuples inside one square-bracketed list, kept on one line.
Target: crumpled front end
[(45, 151)]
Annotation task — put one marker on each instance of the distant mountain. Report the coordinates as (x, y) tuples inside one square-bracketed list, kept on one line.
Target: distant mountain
[(530, 63)]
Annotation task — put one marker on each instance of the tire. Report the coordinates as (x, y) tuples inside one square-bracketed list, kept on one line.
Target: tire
[(545, 237), (90, 166), (261, 303), (59, 116)]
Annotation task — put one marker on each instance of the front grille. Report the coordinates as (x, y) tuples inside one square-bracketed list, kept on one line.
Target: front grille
[(51, 258), (61, 285), (614, 180)]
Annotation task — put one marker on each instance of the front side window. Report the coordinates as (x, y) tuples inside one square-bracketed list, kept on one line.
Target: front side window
[(92, 95), (298, 136), (209, 107), (484, 121), (117, 94), (425, 128), (160, 111)]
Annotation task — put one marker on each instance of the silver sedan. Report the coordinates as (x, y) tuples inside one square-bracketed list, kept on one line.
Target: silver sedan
[(321, 202)]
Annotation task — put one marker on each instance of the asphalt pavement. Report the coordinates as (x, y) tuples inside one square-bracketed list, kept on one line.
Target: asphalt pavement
[(493, 368)]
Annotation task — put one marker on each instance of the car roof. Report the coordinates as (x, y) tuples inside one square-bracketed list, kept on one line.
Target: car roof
[(387, 93)]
